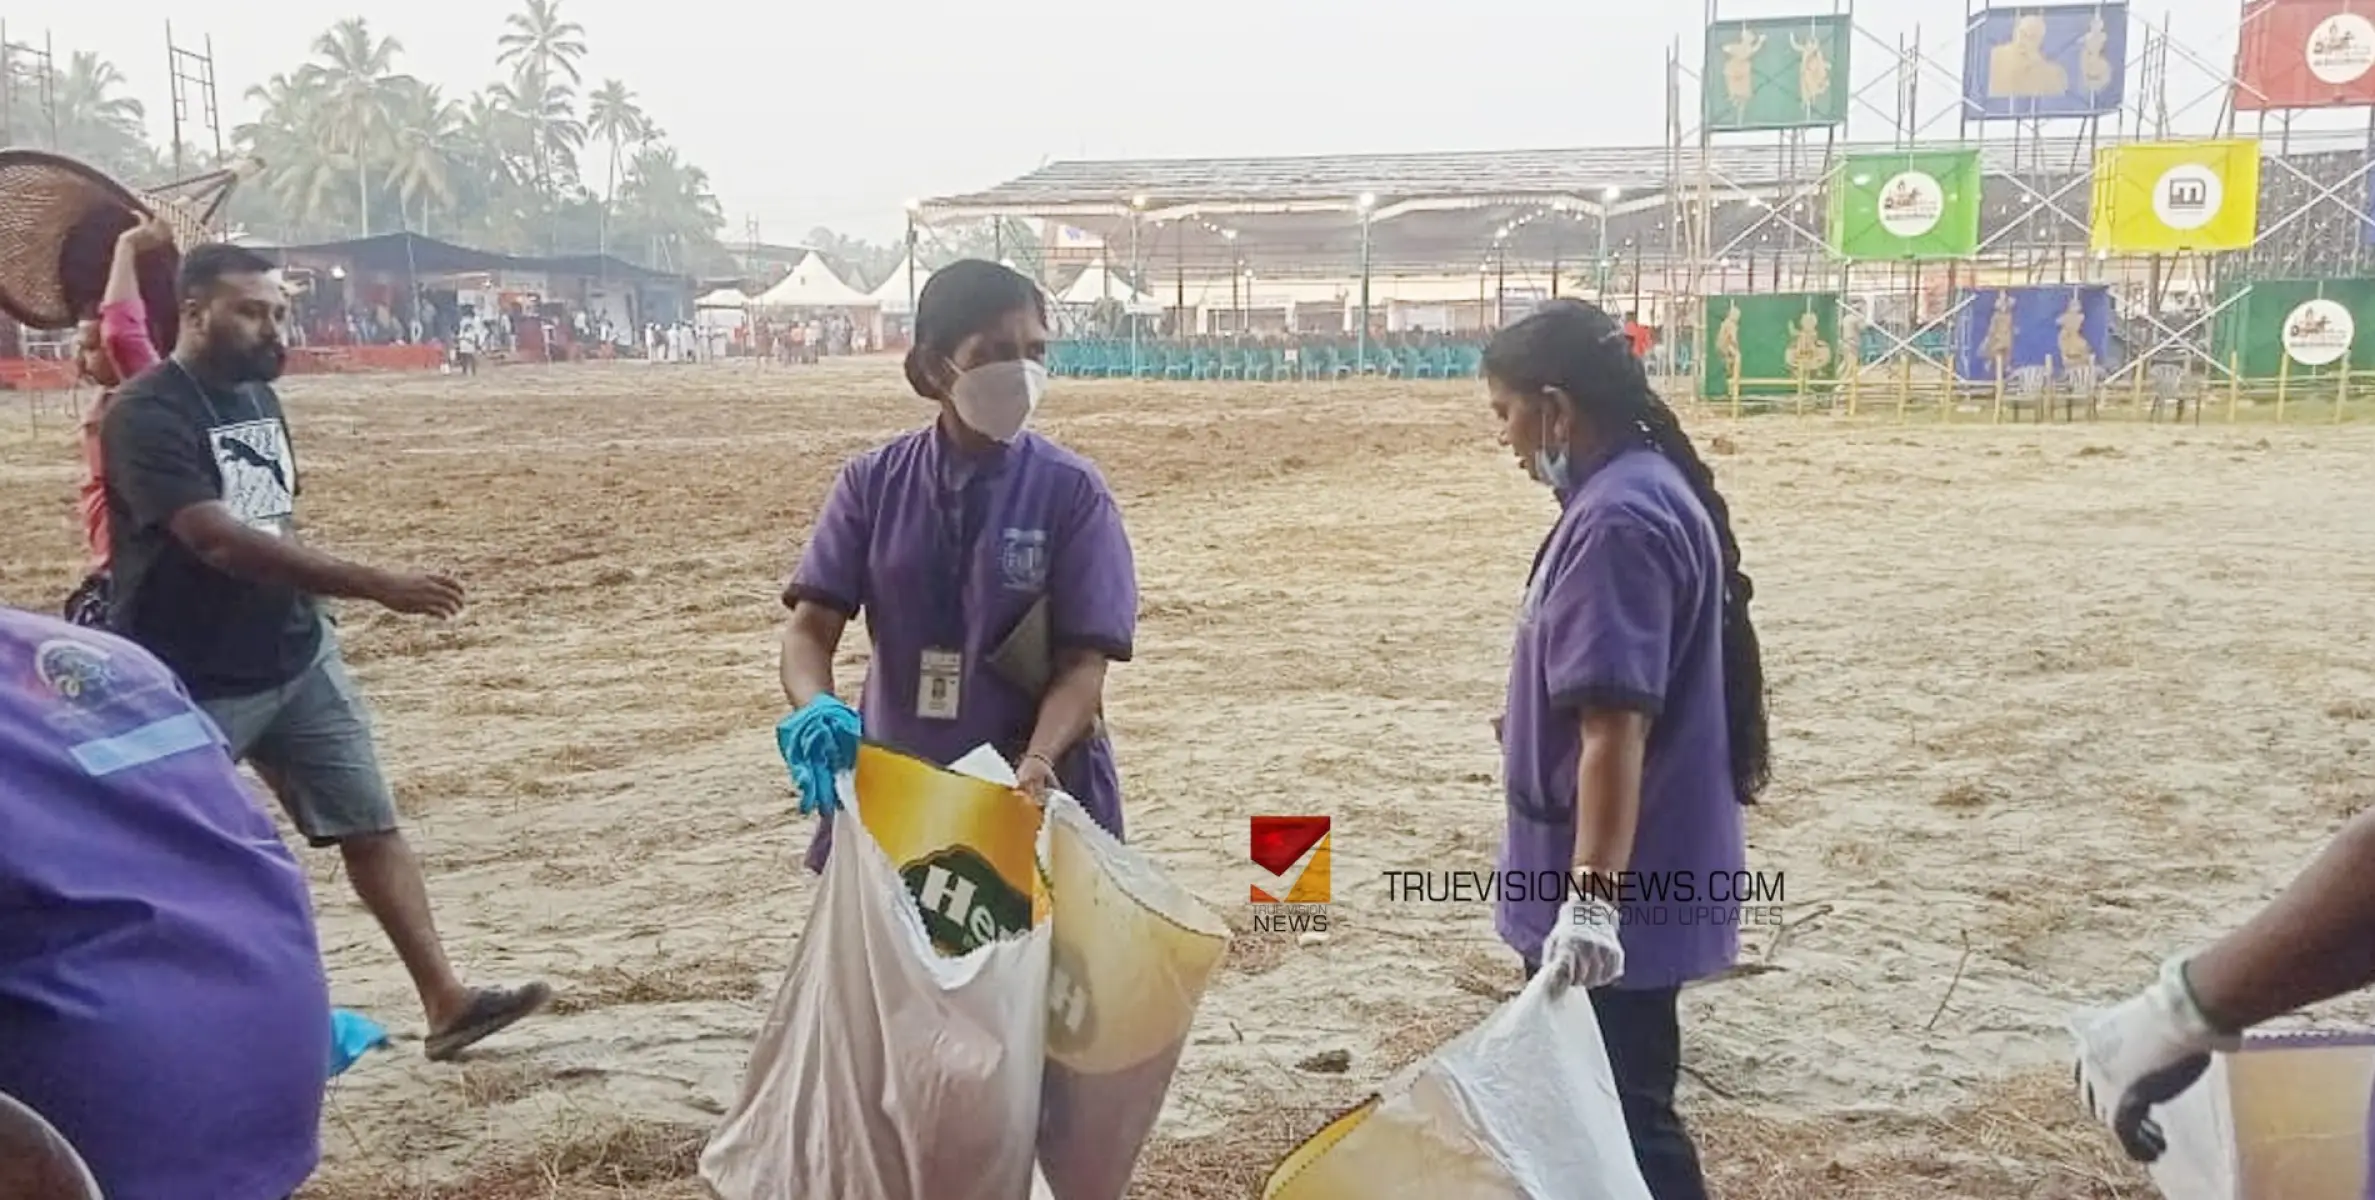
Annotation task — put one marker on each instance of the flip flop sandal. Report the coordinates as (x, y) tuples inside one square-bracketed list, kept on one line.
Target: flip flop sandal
[(491, 1011)]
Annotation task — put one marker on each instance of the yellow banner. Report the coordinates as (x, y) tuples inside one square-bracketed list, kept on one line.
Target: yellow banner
[(966, 848), (2176, 197)]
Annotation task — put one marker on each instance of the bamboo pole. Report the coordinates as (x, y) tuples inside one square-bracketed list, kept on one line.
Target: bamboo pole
[(2341, 389), (2234, 383), (1904, 384), (2284, 380), (1998, 419)]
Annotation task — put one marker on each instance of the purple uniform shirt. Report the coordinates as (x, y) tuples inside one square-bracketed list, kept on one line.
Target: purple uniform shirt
[(161, 991), (945, 552), (1624, 609)]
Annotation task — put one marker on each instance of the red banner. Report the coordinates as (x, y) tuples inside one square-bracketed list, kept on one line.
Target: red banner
[(2306, 54)]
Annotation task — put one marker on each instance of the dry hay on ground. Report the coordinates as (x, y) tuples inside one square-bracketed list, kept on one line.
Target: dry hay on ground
[(2064, 708)]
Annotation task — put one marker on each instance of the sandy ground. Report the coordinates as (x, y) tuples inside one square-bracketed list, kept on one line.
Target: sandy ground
[(2049, 703)]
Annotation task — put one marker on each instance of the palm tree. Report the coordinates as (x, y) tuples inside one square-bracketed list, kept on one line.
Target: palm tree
[(613, 116), (93, 122), (300, 178), (537, 41), (428, 144), (668, 202), (358, 90), (547, 111)]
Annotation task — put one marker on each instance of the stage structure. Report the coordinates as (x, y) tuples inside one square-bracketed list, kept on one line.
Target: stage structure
[(195, 112), (28, 92), (2024, 207)]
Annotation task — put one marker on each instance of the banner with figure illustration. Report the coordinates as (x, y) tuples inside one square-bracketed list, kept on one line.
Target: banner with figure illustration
[(2067, 60), (2296, 326), (1921, 204), (1776, 73), (1773, 344), (2004, 330)]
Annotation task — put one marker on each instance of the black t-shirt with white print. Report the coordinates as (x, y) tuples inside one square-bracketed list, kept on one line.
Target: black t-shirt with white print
[(170, 442)]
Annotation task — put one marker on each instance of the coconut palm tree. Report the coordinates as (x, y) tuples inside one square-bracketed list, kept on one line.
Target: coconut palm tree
[(427, 148), (537, 41), (302, 182), (613, 116), (547, 111), (94, 123), (668, 204), (358, 90)]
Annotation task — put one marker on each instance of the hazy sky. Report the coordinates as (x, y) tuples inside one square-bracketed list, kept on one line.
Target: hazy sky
[(810, 115)]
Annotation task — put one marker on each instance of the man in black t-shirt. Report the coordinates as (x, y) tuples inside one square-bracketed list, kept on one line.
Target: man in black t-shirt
[(201, 496)]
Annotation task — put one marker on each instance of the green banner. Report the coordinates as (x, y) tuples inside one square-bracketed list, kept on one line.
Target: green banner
[(1920, 204), (1775, 344), (2319, 325), (1776, 73)]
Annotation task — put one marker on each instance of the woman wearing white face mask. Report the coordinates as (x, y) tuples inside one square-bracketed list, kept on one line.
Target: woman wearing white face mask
[(990, 563)]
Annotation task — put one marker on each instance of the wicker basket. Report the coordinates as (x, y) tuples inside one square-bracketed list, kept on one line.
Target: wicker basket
[(59, 221)]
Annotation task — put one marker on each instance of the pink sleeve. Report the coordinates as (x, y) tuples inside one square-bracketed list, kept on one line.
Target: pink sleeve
[(123, 329)]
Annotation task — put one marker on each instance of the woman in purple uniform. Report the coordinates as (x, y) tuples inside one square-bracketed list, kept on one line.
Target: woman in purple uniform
[(1635, 726), (990, 563)]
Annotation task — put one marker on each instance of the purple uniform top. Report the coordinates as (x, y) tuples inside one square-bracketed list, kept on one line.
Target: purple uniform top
[(161, 991), (945, 552), (1624, 609)]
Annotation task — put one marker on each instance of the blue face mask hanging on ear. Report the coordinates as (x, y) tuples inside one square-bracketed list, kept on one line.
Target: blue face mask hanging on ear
[(1551, 467)]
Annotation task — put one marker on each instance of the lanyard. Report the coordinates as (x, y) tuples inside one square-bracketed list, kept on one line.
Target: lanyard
[(205, 396)]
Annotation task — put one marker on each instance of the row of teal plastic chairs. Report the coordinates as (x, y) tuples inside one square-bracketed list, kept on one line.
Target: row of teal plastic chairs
[(1113, 358)]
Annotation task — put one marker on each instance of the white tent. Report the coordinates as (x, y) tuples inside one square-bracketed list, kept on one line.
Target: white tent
[(892, 295), (725, 297), (1096, 283), (812, 284)]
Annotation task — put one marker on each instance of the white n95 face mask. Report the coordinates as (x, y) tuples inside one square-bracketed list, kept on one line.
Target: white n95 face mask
[(997, 399)]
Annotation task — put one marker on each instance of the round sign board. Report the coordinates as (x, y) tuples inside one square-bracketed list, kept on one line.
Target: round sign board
[(2318, 332), (2188, 196), (2341, 48), (1911, 204)]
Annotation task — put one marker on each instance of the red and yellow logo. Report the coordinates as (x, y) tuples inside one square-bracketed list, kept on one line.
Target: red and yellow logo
[(1292, 853)]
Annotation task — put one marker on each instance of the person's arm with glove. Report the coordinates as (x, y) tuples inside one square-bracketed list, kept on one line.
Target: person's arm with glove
[(1582, 949), (2313, 942), (1608, 614), (819, 740)]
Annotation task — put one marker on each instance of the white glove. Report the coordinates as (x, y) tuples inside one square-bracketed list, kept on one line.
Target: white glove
[(2144, 1052), (1582, 950)]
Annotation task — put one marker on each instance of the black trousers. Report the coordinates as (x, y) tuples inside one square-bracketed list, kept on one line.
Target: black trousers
[(1643, 1032)]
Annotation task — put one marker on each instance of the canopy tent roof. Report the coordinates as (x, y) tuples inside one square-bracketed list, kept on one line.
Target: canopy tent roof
[(399, 253), (723, 298), (1095, 283), (1306, 216), (812, 284), (892, 295)]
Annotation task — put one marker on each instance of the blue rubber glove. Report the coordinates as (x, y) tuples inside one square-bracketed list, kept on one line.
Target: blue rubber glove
[(818, 742), (352, 1035)]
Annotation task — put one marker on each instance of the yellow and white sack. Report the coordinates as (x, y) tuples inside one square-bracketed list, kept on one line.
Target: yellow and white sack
[(1133, 954), (892, 1068), (1522, 1106)]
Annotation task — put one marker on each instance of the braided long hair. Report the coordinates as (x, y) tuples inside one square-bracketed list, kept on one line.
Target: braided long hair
[(1582, 351)]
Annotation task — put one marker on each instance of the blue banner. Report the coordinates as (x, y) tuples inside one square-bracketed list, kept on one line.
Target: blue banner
[(2049, 326), (2067, 60)]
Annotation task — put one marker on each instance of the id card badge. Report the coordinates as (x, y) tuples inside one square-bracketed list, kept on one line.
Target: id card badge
[(937, 685)]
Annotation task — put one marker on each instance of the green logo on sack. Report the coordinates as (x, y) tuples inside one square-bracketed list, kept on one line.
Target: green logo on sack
[(965, 902)]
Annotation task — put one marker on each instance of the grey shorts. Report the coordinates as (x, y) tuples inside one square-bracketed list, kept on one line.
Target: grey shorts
[(310, 739)]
